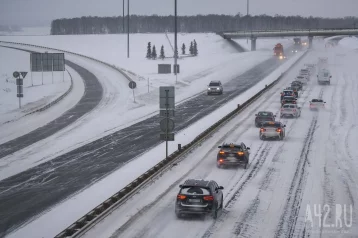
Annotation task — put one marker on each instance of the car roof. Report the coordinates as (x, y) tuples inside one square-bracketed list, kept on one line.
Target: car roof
[(265, 112), (197, 182), (215, 81), (317, 100)]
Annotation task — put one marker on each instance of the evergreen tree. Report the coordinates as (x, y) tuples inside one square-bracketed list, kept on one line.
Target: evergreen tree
[(162, 55), (183, 49), (154, 53), (149, 51), (191, 48), (195, 48)]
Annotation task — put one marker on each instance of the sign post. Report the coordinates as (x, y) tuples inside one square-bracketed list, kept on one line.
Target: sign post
[(167, 112), (19, 83), (132, 85)]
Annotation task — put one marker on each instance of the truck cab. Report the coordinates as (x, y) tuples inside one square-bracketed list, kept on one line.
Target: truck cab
[(324, 77)]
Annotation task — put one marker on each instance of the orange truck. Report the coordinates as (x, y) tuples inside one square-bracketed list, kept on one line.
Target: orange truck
[(278, 50)]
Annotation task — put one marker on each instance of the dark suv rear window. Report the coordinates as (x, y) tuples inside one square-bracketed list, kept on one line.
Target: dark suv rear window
[(276, 125), (214, 84), (228, 147), (195, 191)]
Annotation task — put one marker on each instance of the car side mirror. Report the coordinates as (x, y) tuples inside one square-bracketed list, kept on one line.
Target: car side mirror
[(330, 76), (180, 186), (248, 148), (220, 187), (255, 115), (324, 102), (299, 107), (284, 125), (219, 146)]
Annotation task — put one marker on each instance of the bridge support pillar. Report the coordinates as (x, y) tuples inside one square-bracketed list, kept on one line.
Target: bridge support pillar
[(310, 42), (253, 43)]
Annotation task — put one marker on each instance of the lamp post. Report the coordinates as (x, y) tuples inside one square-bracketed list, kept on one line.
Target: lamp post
[(128, 29), (247, 14), (123, 30), (175, 38)]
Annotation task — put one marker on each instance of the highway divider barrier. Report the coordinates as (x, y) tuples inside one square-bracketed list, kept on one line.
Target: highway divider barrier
[(86, 222)]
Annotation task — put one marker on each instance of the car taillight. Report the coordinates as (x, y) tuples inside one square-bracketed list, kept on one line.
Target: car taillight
[(181, 197), (208, 198), (294, 110), (278, 129), (262, 129), (221, 152), (221, 160), (240, 153)]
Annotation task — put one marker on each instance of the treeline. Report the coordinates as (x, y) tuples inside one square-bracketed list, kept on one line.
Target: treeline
[(199, 23)]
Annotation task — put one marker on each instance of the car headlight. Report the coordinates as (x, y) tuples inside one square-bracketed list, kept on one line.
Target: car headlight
[(217, 88), (208, 88)]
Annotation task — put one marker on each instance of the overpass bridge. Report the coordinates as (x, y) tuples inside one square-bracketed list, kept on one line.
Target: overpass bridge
[(310, 33)]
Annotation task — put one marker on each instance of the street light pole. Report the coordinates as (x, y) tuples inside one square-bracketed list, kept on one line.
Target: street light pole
[(247, 14), (123, 30), (175, 38), (128, 29)]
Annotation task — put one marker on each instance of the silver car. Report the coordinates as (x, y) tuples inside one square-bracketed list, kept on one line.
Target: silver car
[(290, 110), (316, 104), (272, 129), (215, 87)]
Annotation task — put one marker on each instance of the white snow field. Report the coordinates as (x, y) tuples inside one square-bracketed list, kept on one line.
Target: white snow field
[(118, 109), (286, 182), (315, 164), (38, 91), (127, 173)]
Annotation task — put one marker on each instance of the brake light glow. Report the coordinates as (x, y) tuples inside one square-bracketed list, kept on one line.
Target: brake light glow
[(262, 129), (208, 198), (181, 197), (240, 153), (221, 160), (221, 152), (278, 130)]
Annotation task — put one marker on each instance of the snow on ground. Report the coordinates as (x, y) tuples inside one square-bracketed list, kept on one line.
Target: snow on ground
[(120, 111), (349, 42), (126, 174), (36, 94), (315, 165)]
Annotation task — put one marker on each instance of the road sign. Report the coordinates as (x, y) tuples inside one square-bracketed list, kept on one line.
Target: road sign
[(16, 74), (167, 97), (20, 89), (167, 125), (23, 74), (132, 85), (166, 113), (20, 95), (169, 137)]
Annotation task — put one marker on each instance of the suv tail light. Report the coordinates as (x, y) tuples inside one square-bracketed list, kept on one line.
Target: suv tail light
[(181, 197), (221, 152), (262, 129), (278, 129), (208, 198), (240, 153)]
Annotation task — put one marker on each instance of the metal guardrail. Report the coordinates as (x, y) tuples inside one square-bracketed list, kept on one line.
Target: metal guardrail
[(297, 32), (121, 71), (86, 222)]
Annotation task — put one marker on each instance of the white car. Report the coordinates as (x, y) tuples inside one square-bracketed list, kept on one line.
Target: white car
[(305, 73), (215, 87), (290, 110), (324, 77), (302, 79), (272, 129), (316, 104)]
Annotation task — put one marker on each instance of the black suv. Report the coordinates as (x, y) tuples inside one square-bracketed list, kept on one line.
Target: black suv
[(233, 154), (199, 197), (288, 100), (263, 116)]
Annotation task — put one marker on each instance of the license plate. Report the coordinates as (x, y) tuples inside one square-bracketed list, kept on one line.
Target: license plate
[(231, 155), (231, 158), (194, 200)]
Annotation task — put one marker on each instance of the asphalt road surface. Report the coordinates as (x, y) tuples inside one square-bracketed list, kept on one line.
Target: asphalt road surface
[(35, 190), (90, 99)]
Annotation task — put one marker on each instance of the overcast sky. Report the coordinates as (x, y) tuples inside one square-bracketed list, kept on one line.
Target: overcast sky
[(41, 12)]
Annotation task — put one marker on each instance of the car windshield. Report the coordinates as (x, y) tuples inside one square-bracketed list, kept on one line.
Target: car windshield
[(194, 190), (214, 84), (264, 114), (289, 106), (234, 147), (325, 75), (317, 100), (289, 98)]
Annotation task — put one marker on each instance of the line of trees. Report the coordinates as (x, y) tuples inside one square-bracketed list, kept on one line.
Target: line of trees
[(199, 23), (152, 51)]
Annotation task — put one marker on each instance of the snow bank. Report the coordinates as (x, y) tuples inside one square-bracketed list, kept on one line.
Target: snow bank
[(349, 42)]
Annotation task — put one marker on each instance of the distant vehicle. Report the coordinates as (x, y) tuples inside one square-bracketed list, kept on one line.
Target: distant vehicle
[(278, 51), (290, 110), (305, 72), (305, 43), (288, 100), (287, 93), (311, 68), (302, 79), (316, 104), (215, 87), (263, 116), (297, 85), (199, 197), (324, 77), (233, 154), (273, 129), (297, 46)]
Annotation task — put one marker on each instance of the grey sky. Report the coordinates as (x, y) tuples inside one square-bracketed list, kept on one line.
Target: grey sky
[(41, 12)]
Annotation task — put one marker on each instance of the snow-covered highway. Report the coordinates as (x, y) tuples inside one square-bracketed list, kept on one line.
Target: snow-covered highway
[(315, 164)]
